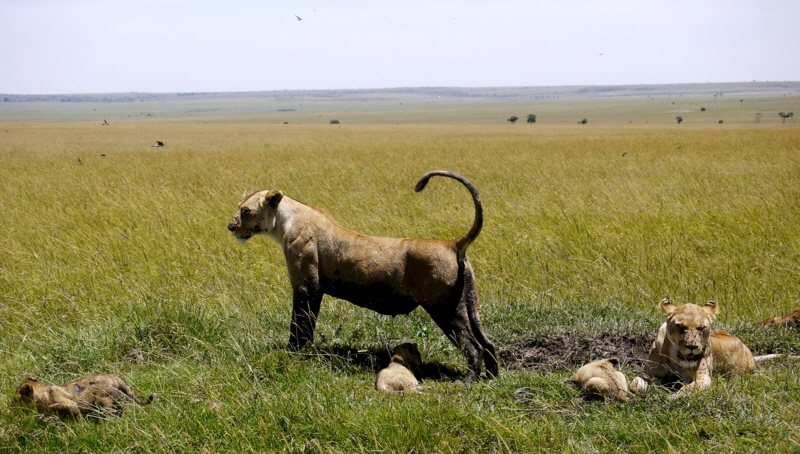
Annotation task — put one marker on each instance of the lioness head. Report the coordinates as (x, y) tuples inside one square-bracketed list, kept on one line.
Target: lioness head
[(256, 214), (689, 327)]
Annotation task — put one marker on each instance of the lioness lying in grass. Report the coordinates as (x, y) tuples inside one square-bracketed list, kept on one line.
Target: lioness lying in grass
[(686, 350)]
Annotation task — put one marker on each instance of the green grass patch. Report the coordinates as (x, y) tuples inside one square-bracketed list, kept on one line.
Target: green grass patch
[(122, 264)]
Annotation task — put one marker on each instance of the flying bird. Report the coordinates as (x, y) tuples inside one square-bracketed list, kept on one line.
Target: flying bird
[(105, 123), (159, 143), (298, 17), (80, 162)]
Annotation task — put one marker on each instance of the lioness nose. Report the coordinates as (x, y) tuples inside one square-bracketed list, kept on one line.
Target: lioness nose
[(231, 226)]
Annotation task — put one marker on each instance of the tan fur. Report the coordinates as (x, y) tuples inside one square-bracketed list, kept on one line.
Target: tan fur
[(600, 380), (93, 394), (400, 376), (388, 275), (687, 350), (792, 319)]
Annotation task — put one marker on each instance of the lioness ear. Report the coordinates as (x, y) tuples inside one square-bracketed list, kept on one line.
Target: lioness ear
[(666, 306), (614, 361), (711, 308), (271, 198), (248, 193)]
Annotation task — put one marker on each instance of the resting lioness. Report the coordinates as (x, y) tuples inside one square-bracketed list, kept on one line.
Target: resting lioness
[(686, 349), (400, 376), (93, 394), (388, 275), (600, 380), (791, 319)]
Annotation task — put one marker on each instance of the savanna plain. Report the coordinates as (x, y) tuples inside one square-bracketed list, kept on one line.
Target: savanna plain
[(115, 258)]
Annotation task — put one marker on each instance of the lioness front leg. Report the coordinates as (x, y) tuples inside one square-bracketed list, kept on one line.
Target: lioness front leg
[(702, 381), (305, 309)]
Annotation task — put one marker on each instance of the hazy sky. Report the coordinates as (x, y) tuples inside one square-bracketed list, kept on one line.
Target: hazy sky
[(98, 46)]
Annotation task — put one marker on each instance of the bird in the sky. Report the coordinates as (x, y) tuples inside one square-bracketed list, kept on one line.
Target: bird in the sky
[(159, 143), (105, 123), (298, 17)]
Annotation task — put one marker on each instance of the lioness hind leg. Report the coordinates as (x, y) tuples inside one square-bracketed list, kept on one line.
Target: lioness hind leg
[(470, 297), (456, 326)]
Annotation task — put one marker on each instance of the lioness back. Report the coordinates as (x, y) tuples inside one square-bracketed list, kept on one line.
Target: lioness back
[(731, 355)]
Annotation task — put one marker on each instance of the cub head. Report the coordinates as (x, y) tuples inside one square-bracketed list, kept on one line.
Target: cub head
[(26, 391), (408, 355), (256, 214), (689, 327)]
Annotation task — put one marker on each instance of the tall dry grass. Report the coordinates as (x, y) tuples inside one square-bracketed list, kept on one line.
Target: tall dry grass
[(122, 263)]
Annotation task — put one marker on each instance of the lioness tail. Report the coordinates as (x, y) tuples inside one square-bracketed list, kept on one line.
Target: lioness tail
[(462, 243)]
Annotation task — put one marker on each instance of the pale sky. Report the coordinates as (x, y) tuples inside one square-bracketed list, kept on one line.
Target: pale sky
[(102, 46)]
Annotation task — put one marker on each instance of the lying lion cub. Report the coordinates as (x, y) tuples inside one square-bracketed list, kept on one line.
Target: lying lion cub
[(600, 380), (390, 276), (686, 349), (92, 394), (400, 376)]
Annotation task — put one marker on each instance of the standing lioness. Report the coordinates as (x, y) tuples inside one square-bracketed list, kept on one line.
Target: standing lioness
[(687, 350), (388, 275)]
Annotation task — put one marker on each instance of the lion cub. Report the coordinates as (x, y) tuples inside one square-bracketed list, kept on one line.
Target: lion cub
[(93, 394), (400, 376), (600, 380)]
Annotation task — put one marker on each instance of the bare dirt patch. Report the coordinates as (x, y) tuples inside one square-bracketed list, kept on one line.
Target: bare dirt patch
[(554, 351)]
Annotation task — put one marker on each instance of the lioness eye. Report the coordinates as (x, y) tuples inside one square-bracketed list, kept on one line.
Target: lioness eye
[(246, 211)]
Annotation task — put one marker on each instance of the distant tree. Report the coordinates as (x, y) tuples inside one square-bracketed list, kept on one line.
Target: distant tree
[(680, 119), (702, 109), (531, 118), (720, 122), (5, 99), (584, 121), (758, 117), (286, 122), (741, 102), (513, 119), (784, 116), (334, 122)]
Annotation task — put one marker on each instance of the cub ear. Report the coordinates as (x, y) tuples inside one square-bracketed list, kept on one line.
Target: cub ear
[(666, 306), (614, 361), (247, 194), (711, 309), (271, 198)]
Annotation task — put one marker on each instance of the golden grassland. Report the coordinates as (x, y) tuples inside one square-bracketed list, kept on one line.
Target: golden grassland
[(115, 258)]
